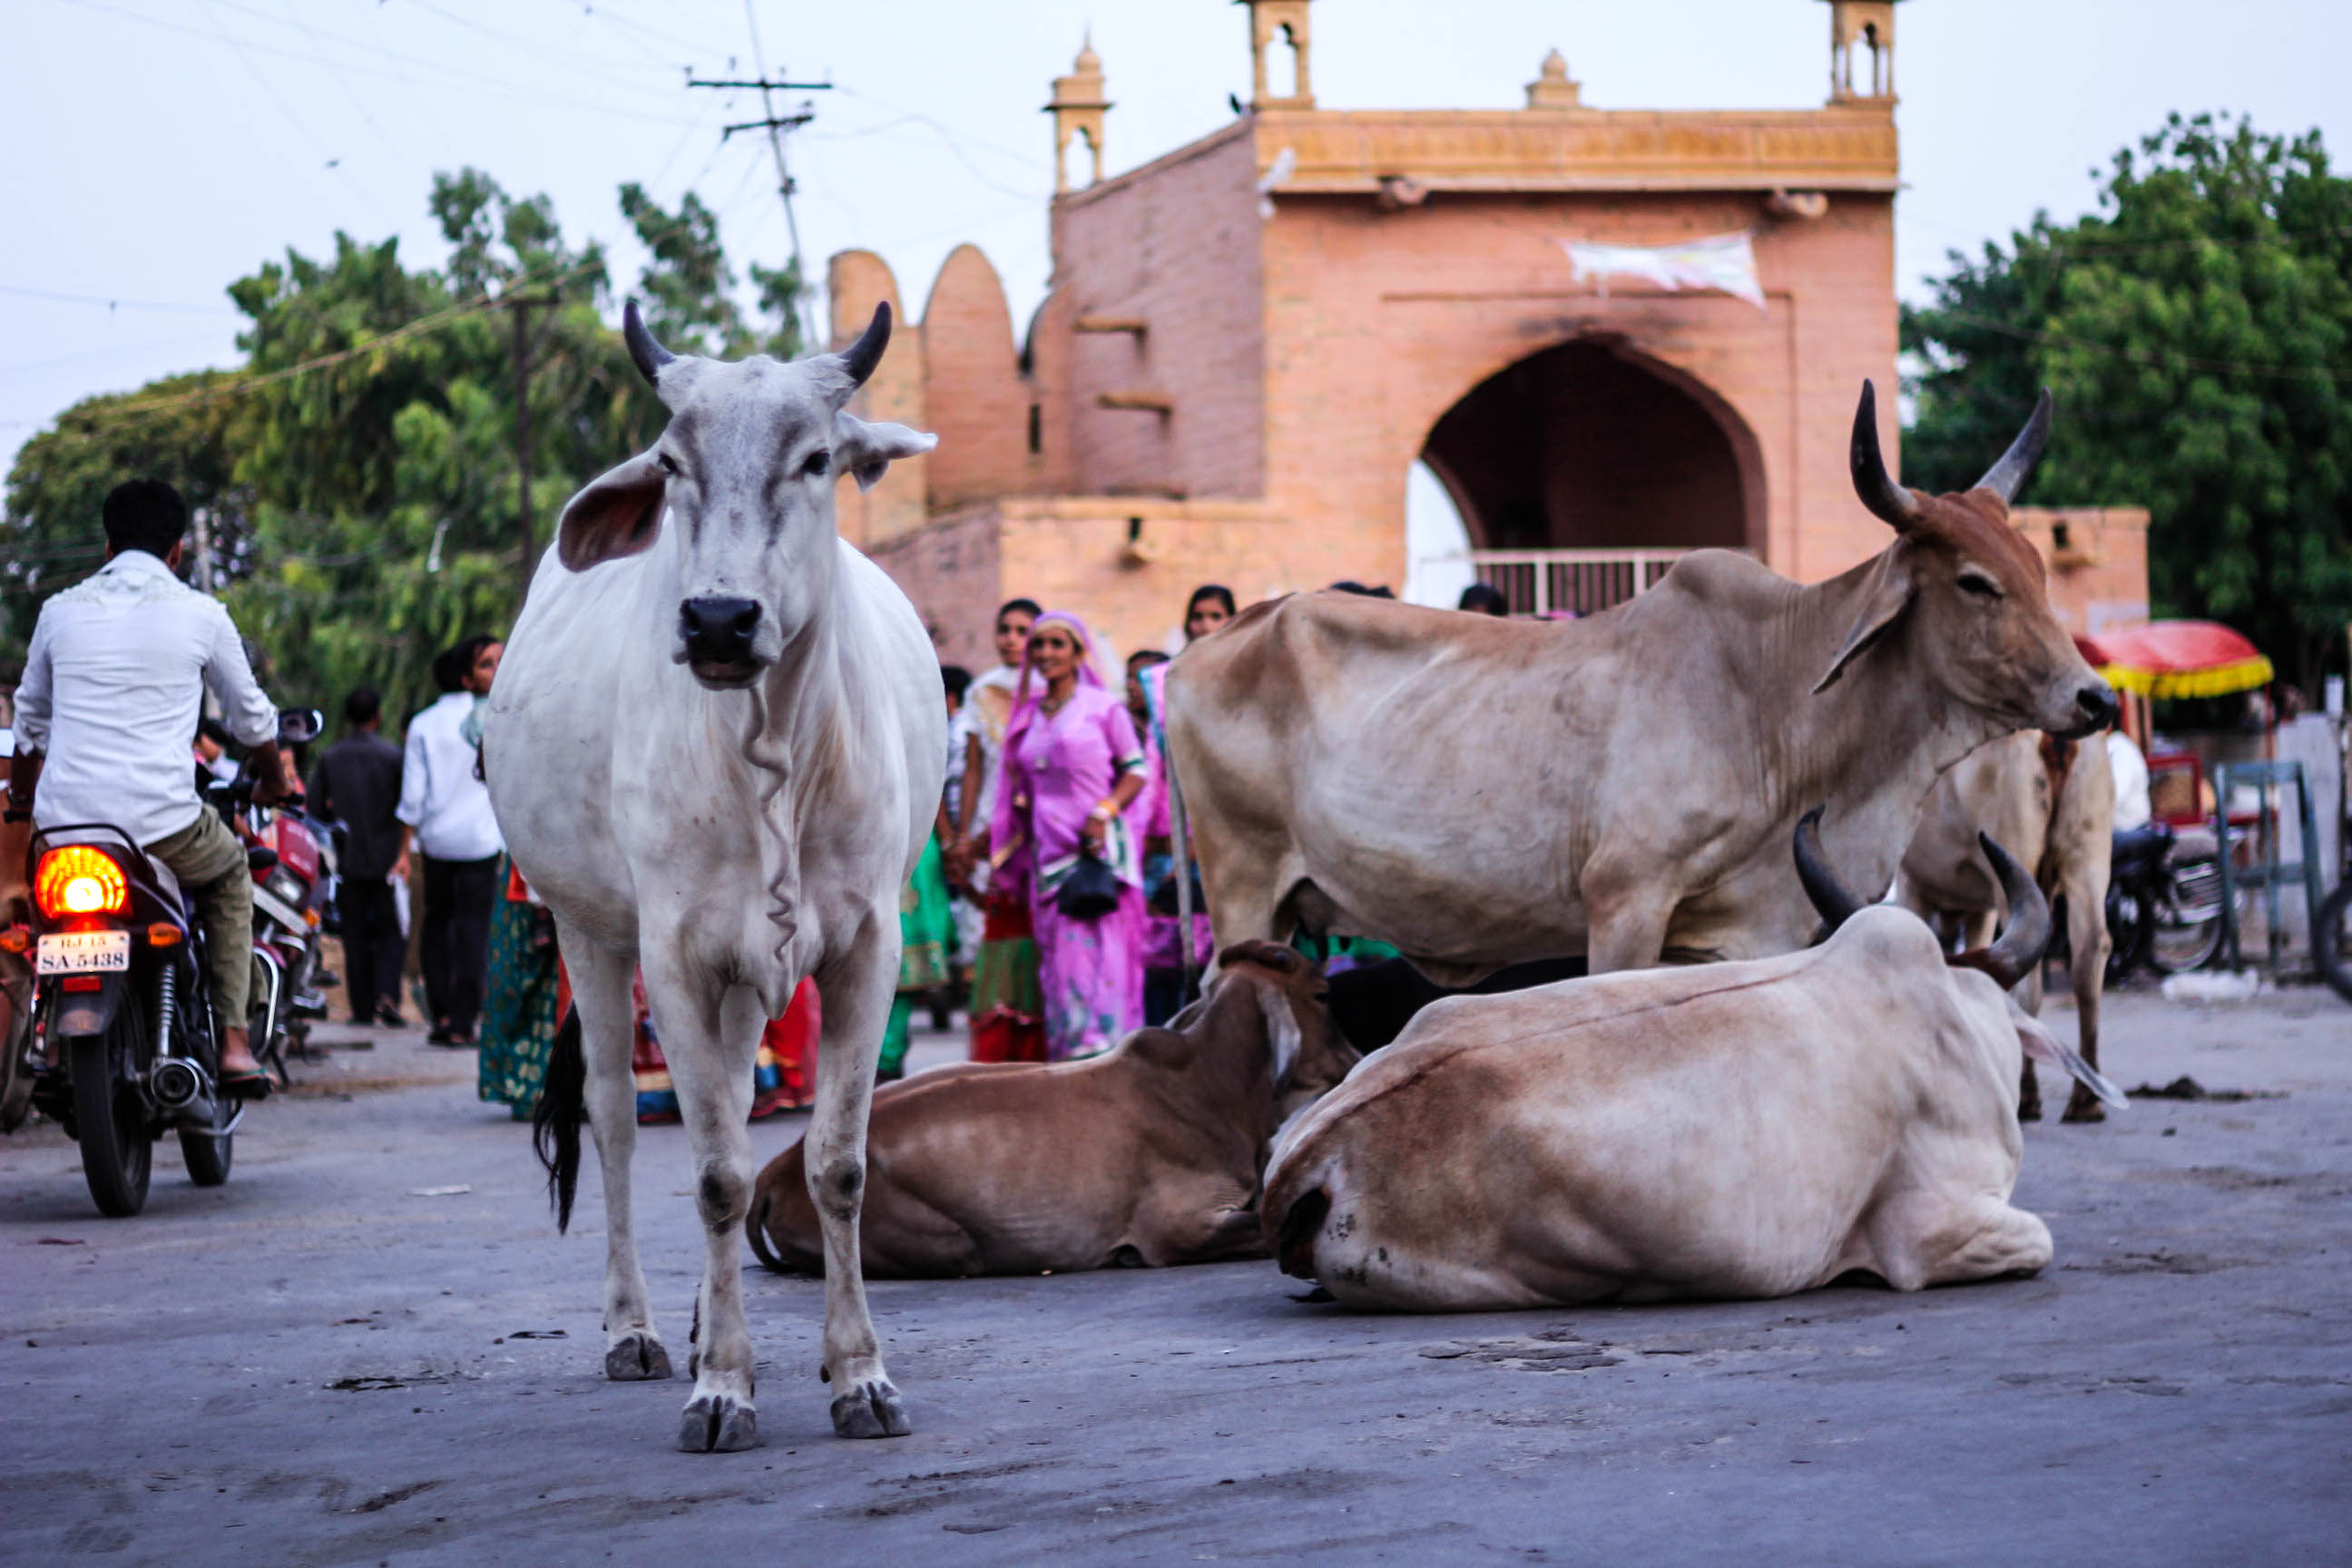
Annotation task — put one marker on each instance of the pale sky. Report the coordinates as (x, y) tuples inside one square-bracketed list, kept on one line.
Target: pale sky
[(159, 149)]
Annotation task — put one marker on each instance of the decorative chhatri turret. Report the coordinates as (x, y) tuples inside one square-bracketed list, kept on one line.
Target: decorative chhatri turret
[(1856, 26), (1077, 109), (1552, 89), (1284, 22)]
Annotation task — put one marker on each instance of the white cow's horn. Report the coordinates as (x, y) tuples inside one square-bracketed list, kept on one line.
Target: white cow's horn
[(650, 355), (860, 357), (1887, 501), (1833, 899), (2003, 478), (2020, 946)]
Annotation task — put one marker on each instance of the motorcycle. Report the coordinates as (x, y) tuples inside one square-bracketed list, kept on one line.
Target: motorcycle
[(121, 1041), (2164, 901)]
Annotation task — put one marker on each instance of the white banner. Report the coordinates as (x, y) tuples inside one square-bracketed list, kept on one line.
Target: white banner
[(1726, 262)]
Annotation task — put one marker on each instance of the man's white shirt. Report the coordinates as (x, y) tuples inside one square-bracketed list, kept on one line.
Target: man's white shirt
[(113, 687), (439, 796)]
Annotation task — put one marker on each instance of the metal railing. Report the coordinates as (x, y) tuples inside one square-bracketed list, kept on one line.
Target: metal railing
[(1579, 582)]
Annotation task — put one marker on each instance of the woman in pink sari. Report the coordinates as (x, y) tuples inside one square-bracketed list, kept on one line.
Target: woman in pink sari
[(1072, 767)]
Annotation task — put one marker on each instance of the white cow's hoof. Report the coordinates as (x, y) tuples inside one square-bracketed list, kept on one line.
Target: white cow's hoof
[(872, 1409), (636, 1358), (718, 1423)]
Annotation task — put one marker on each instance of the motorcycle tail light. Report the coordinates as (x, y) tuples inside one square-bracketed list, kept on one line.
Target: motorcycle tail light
[(17, 939), (77, 879)]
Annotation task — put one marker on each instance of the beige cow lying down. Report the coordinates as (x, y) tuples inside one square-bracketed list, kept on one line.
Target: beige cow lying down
[(1147, 1154), (1733, 1130)]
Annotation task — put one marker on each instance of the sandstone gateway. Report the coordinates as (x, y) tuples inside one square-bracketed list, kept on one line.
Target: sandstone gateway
[(1251, 338)]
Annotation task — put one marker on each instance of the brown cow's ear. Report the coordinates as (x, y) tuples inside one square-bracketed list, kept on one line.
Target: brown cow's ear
[(1891, 594), (618, 514)]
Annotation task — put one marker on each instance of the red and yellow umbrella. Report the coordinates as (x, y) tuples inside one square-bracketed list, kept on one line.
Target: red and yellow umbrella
[(2176, 658)]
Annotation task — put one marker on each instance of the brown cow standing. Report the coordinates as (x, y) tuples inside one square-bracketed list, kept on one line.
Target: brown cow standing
[(1147, 1155)]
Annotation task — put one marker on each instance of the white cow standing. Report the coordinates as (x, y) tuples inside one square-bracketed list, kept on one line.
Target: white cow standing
[(715, 747)]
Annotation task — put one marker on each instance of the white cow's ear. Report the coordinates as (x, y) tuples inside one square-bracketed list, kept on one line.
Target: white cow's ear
[(1891, 593), (618, 514), (868, 450), (2043, 1046)]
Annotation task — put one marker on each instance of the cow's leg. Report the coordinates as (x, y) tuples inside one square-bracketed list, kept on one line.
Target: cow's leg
[(2087, 945), (601, 990), (1926, 1237), (1197, 1222), (710, 1035), (855, 991), (1628, 903)]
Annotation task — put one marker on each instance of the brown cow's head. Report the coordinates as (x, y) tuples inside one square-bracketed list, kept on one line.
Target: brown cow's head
[(1973, 590), (1309, 1058)]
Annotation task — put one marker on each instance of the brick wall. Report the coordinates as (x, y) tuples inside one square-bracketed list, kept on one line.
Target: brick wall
[(2099, 578), (857, 280), (1176, 245), (973, 394)]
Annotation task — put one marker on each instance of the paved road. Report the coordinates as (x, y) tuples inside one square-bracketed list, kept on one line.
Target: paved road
[(321, 1364)]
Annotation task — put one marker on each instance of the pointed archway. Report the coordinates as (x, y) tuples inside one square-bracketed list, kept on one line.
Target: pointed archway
[(1588, 445)]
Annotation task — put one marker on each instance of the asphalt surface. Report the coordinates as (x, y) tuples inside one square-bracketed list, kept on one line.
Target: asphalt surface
[(338, 1359)]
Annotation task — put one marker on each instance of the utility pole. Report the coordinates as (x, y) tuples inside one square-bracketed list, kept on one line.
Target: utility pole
[(777, 127), (204, 521), (520, 307)]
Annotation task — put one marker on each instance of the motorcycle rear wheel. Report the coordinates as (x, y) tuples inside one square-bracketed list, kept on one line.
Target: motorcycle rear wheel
[(207, 1154), (2185, 919), (110, 1114)]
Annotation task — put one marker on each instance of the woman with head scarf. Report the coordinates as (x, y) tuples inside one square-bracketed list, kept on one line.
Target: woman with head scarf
[(1072, 767)]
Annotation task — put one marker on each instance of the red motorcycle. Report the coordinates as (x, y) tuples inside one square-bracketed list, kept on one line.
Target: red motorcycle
[(122, 1044)]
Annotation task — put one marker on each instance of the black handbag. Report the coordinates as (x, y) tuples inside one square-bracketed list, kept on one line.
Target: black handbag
[(1089, 892)]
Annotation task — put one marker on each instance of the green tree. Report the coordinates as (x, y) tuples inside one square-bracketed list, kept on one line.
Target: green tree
[(362, 470), (2197, 330), (177, 429), (688, 287)]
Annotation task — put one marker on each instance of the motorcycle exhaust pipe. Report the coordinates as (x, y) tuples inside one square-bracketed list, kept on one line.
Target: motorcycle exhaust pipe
[(175, 1083)]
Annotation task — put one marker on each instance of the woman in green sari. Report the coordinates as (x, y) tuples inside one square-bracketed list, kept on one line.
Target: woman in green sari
[(927, 927)]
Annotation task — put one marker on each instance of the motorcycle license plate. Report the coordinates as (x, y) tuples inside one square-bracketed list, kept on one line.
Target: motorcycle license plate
[(82, 952)]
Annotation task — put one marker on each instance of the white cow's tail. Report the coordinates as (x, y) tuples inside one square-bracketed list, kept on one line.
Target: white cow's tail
[(555, 1123)]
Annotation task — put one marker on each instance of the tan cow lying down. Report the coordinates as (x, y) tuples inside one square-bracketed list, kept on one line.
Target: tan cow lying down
[(1147, 1154), (1735, 1129)]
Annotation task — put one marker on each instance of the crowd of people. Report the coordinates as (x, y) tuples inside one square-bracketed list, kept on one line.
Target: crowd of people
[(1056, 833), (1042, 902)]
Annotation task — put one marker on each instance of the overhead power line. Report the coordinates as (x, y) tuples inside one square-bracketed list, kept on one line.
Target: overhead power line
[(112, 304), (777, 126), (433, 322)]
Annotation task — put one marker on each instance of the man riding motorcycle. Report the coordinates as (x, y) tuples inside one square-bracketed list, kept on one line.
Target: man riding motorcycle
[(112, 692)]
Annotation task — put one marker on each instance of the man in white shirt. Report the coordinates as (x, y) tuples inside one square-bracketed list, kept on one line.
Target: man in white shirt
[(113, 688), (2132, 809), (445, 811)]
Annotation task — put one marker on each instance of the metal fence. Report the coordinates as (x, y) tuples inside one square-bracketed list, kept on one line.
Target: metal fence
[(1579, 582)]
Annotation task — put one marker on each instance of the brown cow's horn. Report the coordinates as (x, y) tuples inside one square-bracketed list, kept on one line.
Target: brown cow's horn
[(860, 357), (1889, 502), (2004, 476), (2018, 948), (1832, 899), (649, 354)]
